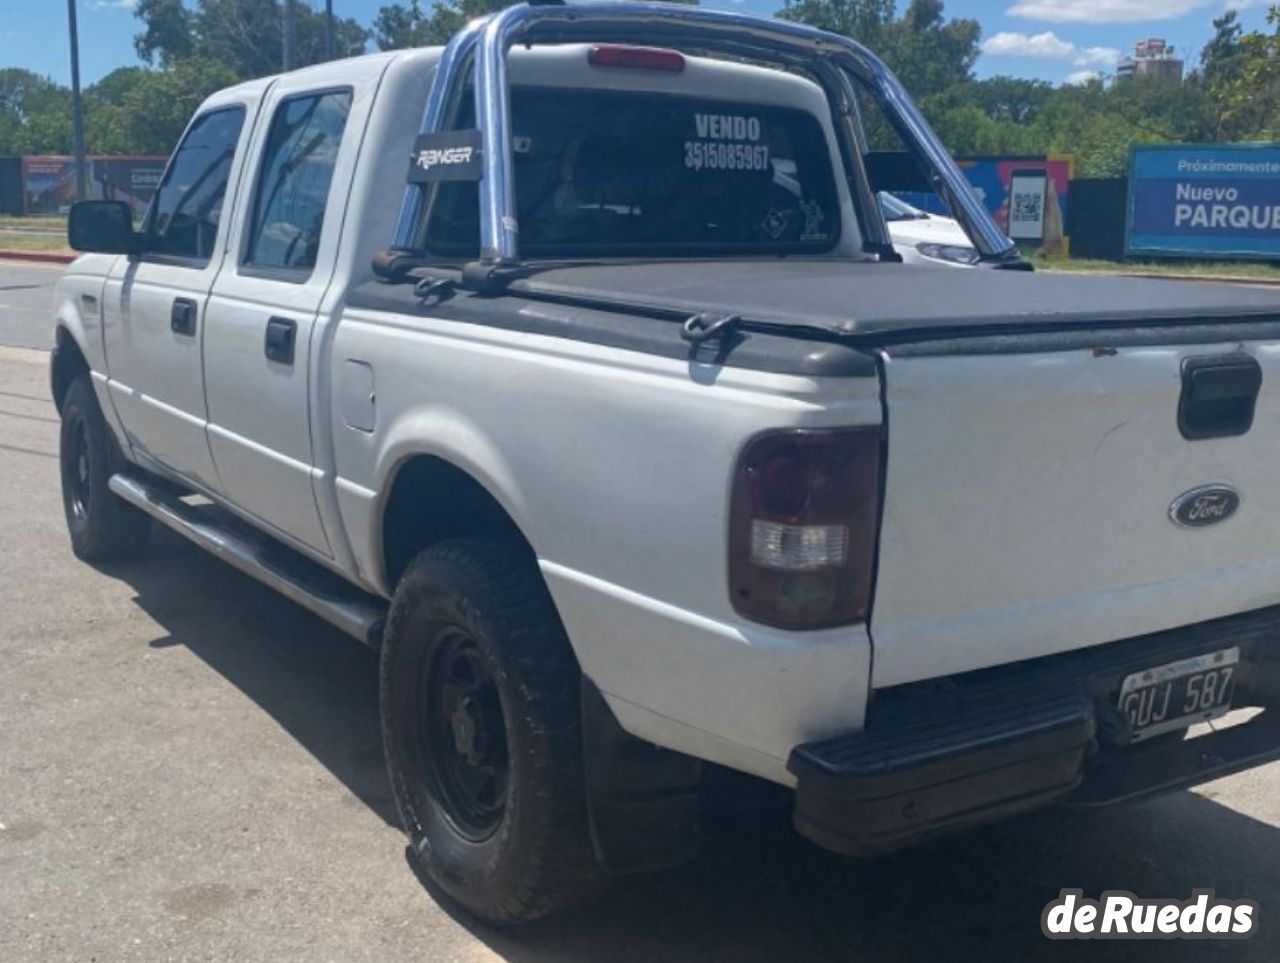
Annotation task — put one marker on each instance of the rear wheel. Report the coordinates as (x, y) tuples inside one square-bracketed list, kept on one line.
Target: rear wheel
[(103, 528), (481, 725)]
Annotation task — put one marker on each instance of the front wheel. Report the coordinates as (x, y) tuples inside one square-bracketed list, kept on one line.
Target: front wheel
[(103, 527), (481, 726)]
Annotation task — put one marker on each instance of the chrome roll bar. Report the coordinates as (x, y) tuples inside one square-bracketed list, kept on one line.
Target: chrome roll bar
[(839, 64)]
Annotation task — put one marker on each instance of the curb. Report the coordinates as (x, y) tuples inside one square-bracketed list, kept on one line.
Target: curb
[(1203, 278), (39, 257), (1195, 278)]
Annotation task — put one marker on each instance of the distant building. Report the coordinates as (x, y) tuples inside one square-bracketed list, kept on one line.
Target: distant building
[(1151, 58)]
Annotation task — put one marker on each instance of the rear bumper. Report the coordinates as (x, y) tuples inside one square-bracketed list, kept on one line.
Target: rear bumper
[(949, 753)]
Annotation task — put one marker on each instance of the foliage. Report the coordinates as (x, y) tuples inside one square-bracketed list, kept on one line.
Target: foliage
[(193, 47), (1249, 86), (399, 25), (168, 33), (248, 35), (928, 52)]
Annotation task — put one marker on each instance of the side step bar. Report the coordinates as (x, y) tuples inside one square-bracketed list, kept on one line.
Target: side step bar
[(311, 586)]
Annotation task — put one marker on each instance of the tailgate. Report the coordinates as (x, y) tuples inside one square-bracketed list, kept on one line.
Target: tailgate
[(1029, 494)]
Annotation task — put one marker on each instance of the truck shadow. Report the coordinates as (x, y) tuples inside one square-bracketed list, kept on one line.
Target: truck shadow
[(758, 892), (320, 685)]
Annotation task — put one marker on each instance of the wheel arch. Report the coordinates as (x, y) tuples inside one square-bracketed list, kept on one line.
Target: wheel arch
[(430, 498), (67, 361)]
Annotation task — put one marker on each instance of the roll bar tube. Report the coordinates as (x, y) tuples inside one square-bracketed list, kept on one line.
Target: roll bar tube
[(835, 61)]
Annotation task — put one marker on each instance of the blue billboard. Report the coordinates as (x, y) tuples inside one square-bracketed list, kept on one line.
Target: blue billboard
[(1214, 201)]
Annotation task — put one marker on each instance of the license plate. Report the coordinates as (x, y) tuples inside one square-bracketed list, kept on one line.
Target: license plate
[(1175, 695)]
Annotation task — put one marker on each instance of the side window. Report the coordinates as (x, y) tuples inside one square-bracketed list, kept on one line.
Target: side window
[(293, 182), (186, 209)]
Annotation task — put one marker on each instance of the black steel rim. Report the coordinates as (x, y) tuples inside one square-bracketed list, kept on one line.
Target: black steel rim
[(463, 732), (78, 470)]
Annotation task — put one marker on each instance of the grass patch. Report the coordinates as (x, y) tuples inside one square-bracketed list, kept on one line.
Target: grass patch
[(27, 241), (53, 222), (1199, 269)]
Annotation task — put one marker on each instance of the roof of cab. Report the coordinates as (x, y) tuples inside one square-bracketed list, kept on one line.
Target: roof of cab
[(531, 65), (332, 71)]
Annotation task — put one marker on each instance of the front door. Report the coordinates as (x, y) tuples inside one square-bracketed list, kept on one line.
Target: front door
[(154, 305)]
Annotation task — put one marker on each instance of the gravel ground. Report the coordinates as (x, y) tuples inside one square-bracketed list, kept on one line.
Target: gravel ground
[(190, 770)]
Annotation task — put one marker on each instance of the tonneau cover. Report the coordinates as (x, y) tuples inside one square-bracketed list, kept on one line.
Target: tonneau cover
[(893, 302)]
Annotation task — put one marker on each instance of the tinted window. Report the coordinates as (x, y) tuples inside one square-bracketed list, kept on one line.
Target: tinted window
[(607, 172), (185, 211), (293, 186)]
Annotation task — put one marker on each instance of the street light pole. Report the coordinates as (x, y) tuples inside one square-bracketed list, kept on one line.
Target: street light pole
[(290, 36), (77, 108), (328, 29)]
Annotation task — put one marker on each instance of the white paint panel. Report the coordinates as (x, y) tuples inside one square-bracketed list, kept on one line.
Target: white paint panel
[(1027, 501), (743, 695)]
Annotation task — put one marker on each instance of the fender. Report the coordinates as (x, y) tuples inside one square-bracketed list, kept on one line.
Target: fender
[(431, 432), (78, 328)]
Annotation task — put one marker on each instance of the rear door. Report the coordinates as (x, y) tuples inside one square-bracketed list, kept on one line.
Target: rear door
[(154, 305), (1030, 501), (262, 312)]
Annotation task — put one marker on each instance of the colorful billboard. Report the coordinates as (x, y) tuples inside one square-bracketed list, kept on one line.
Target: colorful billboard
[(1219, 201), (48, 184), (1027, 197), (49, 181), (131, 179)]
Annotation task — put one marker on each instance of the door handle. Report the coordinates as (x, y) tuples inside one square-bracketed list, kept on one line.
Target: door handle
[(182, 319), (1218, 396), (281, 335)]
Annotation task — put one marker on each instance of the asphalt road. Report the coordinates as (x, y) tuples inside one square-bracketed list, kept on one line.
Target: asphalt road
[(26, 300), (190, 770)]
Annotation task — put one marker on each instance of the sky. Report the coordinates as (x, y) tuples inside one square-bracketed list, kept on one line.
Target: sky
[(1061, 41)]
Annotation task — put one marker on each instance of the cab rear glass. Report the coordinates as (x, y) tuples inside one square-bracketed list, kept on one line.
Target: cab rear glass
[(642, 174)]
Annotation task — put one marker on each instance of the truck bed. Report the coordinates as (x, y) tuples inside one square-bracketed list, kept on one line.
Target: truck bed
[(873, 304)]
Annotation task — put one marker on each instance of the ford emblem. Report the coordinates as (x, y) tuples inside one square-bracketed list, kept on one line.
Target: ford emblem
[(1206, 505)]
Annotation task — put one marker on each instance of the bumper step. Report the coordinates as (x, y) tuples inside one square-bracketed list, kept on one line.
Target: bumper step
[(216, 531), (947, 753), (864, 794)]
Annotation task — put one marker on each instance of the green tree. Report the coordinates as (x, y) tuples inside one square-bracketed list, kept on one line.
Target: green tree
[(156, 110), (248, 35), (35, 114), (1222, 57), (1250, 92), (398, 26), (245, 35), (929, 53), (113, 87), (1011, 100), (866, 21), (167, 34)]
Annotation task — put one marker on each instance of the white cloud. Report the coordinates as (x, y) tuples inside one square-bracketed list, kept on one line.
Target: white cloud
[(1082, 77), (1106, 11), (1043, 46), (1049, 46), (1098, 57), (114, 4)]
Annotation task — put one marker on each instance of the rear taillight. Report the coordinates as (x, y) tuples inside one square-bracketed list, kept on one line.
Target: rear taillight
[(636, 58), (803, 521)]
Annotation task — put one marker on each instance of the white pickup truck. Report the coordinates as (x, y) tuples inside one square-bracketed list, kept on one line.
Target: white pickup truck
[(581, 375)]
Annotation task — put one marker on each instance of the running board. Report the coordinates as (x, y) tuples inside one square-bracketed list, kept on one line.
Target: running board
[(310, 585)]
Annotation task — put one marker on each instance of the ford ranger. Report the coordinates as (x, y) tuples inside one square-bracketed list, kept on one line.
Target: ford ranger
[(573, 367)]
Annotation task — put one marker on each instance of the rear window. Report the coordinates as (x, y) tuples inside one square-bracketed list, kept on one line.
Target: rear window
[(626, 173)]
